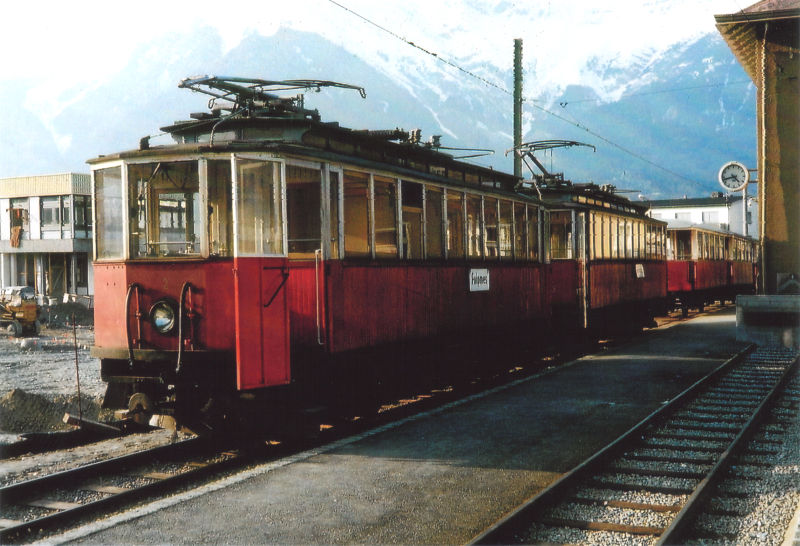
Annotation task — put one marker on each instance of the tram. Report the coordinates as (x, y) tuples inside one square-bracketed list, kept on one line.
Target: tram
[(269, 256)]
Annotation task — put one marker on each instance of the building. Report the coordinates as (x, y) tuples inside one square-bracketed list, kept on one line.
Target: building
[(765, 38), (722, 211), (46, 234)]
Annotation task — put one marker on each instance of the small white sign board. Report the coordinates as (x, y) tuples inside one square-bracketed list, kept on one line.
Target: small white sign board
[(478, 280)]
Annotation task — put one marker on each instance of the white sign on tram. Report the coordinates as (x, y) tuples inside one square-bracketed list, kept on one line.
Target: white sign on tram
[(478, 280)]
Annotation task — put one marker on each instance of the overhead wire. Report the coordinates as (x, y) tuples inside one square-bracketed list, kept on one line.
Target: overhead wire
[(532, 102)]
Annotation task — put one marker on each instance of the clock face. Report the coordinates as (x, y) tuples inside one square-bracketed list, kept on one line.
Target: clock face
[(733, 176)]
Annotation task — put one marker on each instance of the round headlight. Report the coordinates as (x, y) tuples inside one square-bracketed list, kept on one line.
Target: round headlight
[(162, 316)]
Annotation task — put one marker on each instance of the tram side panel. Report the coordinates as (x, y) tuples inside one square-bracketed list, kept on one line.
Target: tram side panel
[(626, 292), (742, 277), (373, 305)]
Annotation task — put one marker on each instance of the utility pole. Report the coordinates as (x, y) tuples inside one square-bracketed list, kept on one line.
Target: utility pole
[(517, 105)]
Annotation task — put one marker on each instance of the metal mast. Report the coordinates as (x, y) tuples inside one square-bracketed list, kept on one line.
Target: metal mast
[(517, 105)]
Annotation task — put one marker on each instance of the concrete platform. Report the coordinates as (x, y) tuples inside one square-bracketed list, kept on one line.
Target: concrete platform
[(444, 476)]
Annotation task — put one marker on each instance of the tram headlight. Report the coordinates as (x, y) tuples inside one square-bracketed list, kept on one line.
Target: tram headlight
[(162, 316)]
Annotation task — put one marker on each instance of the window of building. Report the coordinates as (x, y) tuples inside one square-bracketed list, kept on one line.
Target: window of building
[(83, 211), (66, 206), (356, 214), (49, 215), (711, 217), (20, 213), (82, 270)]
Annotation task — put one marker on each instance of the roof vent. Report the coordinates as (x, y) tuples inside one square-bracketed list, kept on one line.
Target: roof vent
[(716, 194)]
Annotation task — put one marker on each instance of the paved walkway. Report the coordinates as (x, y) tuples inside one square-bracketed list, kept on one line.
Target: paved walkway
[(444, 476)]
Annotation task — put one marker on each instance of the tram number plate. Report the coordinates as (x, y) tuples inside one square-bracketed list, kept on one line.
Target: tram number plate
[(478, 280)]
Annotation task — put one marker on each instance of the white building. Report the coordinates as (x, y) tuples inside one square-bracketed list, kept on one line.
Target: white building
[(723, 211), (46, 234)]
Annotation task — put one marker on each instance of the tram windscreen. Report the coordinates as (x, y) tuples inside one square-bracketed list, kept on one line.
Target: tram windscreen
[(165, 218), (109, 211)]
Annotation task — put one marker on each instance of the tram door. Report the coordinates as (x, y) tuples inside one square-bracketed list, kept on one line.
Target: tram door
[(260, 275)]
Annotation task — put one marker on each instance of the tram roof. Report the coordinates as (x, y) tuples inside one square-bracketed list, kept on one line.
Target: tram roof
[(319, 139), (676, 225)]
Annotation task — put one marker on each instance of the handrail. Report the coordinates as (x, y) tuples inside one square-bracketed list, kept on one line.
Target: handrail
[(133, 286), (187, 286), (317, 262)]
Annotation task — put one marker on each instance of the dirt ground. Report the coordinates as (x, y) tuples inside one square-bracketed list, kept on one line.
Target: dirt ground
[(39, 375)]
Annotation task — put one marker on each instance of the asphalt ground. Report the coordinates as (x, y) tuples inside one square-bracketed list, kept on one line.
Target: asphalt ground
[(443, 476)]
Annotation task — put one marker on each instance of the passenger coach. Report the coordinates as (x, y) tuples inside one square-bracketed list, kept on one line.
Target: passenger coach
[(707, 264), (615, 253)]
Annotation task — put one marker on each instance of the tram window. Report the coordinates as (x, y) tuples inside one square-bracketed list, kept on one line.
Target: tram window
[(580, 235), (628, 238), (520, 231), (491, 232), (504, 230), (356, 214), (561, 235), (533, 232), (412, 220), (260, 218), (474, 222), (613, 236), (334, 216), (385, 218), (109, 208), (220, 211), (455, 224), (433, 223), (165, 215), (684, 243), (303, 211)]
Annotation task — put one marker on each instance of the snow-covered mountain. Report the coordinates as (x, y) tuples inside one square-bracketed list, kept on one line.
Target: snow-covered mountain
[(663, 121)]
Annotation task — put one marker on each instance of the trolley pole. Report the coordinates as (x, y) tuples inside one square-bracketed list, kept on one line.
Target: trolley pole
[(517, 105)]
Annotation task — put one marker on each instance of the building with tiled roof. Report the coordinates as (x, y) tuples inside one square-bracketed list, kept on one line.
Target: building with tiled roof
[(765, 38)]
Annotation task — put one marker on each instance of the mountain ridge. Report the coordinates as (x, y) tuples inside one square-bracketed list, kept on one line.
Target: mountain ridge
[(671, 127)]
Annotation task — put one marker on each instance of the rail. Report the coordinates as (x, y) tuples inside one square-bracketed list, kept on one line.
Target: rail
[(550, 510)]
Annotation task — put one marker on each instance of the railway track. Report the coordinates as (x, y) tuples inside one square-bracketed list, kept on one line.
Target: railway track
[(650, 485), (62, 499)]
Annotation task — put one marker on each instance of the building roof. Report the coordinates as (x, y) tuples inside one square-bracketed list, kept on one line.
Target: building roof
[(695, 202), (744, 28), (46, 184)]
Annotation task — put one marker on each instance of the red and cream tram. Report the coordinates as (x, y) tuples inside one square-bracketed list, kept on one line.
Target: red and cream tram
[(267, 253), (708, 264)]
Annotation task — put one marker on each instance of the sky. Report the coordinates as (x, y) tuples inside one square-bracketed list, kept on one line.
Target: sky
[(58, 44)]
